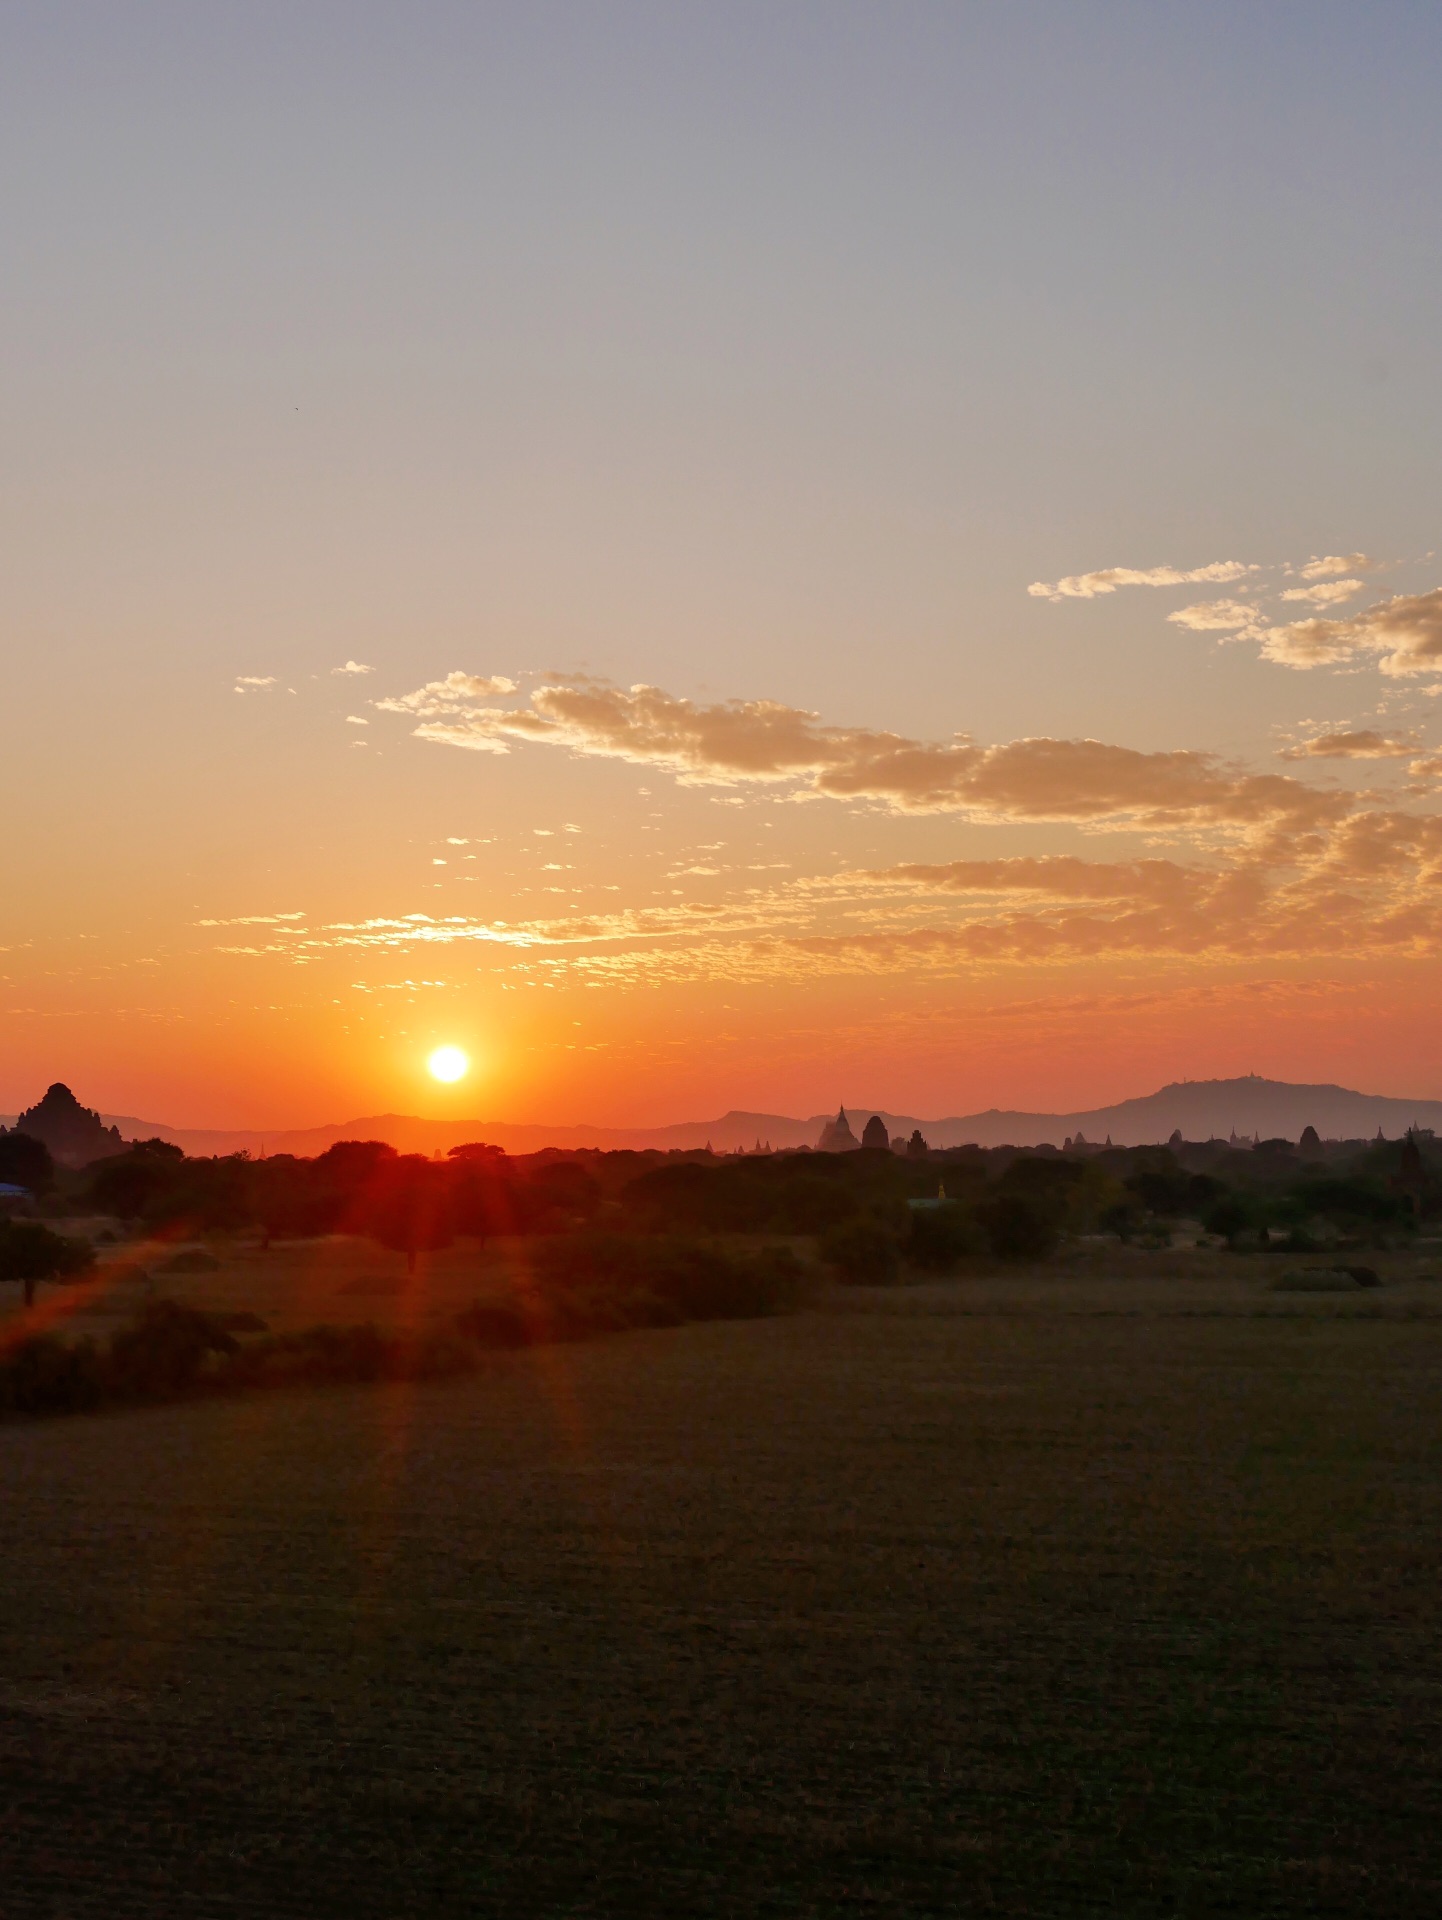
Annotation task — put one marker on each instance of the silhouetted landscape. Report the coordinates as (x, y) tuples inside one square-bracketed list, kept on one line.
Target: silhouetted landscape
[(681, 1531), (1198, 1109)]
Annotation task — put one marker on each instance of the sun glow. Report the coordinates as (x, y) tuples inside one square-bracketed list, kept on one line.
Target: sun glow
[(449, 1063)]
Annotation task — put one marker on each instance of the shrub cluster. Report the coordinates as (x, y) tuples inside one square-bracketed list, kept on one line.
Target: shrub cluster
[(581, 1286)]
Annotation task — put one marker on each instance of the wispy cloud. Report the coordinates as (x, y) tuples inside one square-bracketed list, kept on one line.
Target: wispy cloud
[(1087, 586), (765, 742), (1327, 593), (1366, 880), (1057, 876), (353, 666), (254, 682), (1361, 745), (444, 696), (253, 920)]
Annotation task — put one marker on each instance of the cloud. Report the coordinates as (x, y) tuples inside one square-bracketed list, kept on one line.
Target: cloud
[(446, 696), (253, 920), (1215, 616), (1327, 594), (1086, 586), (356, 720), (353, 666), (1406, 630), (254, 682), (1363, 745), (1327, 565), (1365, 880), (764, 742), (1058, 876)]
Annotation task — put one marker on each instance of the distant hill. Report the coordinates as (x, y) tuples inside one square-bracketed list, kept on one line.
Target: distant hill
[(1202, 1109)]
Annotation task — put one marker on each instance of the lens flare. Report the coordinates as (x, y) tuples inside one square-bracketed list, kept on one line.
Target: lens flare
[(449, 1063)]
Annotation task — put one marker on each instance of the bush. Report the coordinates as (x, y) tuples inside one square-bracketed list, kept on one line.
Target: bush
[(1315, 1280), (1230, 1217), (47, 1375), (165, 1351), (690, 1280), (863, 1252), (584, 1286), (1019, 1226), (491, 1327), (191, 1260), (940, 1237)]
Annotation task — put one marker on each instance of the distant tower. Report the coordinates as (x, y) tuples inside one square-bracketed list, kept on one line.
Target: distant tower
[(874, 1134), (836, 1135)]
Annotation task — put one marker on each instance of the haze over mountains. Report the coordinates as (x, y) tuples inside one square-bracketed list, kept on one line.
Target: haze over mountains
[(1201, 1109)]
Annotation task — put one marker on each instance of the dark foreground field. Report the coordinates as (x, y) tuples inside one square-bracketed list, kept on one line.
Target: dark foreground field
[(1061, 1599)]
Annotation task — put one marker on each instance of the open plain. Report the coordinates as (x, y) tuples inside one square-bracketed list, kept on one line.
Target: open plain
[(1047, 1595)]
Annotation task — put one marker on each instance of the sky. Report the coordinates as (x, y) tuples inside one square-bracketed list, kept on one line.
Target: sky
[(717, 557)]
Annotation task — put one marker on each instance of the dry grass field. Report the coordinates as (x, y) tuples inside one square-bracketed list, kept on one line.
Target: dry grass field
[(1051, 1595)]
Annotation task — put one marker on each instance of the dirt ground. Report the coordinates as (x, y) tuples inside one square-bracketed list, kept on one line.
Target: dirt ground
[(1048, 1595)]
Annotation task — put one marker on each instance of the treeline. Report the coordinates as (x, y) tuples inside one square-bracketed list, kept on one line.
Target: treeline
[(870, 1210)]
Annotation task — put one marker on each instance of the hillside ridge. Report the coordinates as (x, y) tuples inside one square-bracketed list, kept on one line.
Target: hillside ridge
[(1201, 1109)]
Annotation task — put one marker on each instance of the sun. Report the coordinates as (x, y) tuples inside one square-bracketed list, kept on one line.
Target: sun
[(449, 1063)]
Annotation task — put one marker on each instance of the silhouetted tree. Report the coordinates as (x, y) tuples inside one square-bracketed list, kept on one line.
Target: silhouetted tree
[(483, 1182), (26, 1162), (30, 1252), (128, 1184), (1020, 1225), (409, 1208), (941, 1236)]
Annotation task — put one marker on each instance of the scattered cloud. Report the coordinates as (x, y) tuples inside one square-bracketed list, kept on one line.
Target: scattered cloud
[(253, 920), (353, 666), (1215, 616), (444, 696), (254, 682), (355, 720), (1327, 594), (1361, 745), (1327, 566), (1087, 586), (1406, 630)]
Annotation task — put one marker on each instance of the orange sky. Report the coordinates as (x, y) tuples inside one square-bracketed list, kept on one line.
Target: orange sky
[(717, 562)]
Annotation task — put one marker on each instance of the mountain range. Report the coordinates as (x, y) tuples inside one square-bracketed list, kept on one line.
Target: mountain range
[(1201, 1109)]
